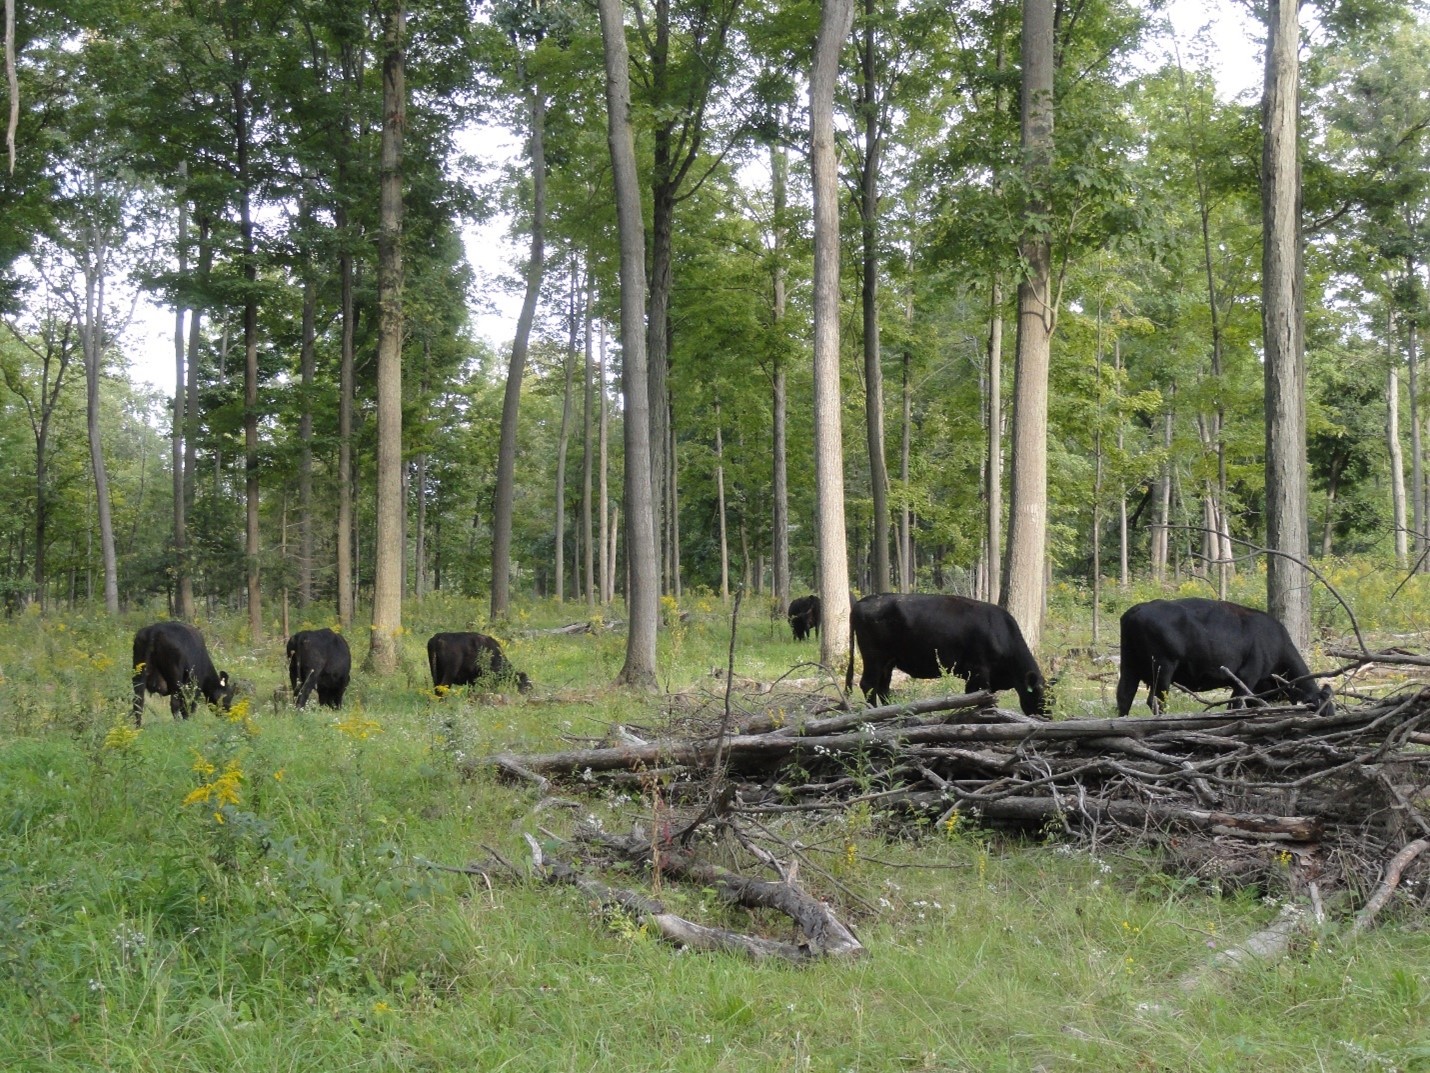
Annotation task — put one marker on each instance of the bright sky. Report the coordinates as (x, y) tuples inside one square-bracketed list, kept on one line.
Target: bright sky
[(1231, 47)]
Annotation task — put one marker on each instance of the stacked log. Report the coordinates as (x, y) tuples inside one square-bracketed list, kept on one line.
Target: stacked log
[(1257, 795)]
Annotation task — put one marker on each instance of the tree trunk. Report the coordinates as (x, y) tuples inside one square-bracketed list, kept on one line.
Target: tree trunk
[(307, 369), (1417, 445), (779, 167), (1161, 527), (604, 566), (906, 530), (506, 453), (96, 264), (720, 500), (993, 458), (250, 362), (873, 365), (344, 565), (642, 596), (389, 549), (1024, 570), (1288, 594), (674, 510), (563, 440), (191, 389), (183, 569), (1397, 465), (836, 17), (588, 572)]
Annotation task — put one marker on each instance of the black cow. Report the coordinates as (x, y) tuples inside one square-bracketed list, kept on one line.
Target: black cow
[(319, 659), (804, 616), (928, 636), (171, 660), (1210, 644), (459, 659)]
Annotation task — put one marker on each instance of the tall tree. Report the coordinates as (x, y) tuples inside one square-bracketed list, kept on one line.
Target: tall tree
[(836, 18), (390, 552), (1288, 595), (1024, 568), (535, 268), (643, 587)]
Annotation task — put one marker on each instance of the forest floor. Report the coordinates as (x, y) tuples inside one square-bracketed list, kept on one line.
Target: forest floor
[(273, 891)]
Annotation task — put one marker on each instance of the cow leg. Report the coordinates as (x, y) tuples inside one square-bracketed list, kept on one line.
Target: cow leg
[(1127, 685), (875, 681), (301, 697)]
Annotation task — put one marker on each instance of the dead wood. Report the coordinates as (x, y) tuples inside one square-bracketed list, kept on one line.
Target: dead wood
[(1276, 796), (1393, 871)]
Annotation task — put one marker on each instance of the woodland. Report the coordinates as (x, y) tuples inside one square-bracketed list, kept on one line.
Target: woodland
[(293, 182), (1004, 299)]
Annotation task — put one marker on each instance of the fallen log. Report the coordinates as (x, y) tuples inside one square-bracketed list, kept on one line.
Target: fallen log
[(1391, 880), (674, 928)]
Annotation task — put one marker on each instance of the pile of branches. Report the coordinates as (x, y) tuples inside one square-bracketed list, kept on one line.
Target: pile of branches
[(1275, 796)]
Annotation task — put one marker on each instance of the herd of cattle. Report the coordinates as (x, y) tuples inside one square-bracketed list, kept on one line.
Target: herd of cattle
[(1194, 643), (171, 660)]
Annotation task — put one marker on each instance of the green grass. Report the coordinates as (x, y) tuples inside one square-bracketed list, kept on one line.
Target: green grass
[(304, 933)]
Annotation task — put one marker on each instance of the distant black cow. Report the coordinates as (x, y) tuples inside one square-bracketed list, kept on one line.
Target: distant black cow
[(1210, 644), (459, 659), (171, 660), (804, 616), (319, 659), (927, 636)]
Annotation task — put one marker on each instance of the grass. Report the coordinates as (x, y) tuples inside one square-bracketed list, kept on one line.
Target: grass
[(298, 928)]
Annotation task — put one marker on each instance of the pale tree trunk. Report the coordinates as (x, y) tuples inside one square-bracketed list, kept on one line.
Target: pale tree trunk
[(906, 517), (1288, 594), (563, 440), (307, 368), (419, 480), (779, 168), (604, 567), (993, 456), (873, 365), (720, 499), (344, 564), (836, 17), (191, 416), (587, 450), (504, 499), (183, 577), (674, 510), (1161, 531), (95, 260), (1024, 570), (1397, 463), (1417, 446), (1124, 577), (643, 590), (390, 552), (250, 365)]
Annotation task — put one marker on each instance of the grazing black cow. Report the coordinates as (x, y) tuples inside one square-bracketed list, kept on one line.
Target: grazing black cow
[(171, 660), (459, 659), (319, 659), (1210, 644), (927, 636), (804, 616)]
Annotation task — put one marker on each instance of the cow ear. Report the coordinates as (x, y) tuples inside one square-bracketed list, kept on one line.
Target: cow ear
[(223, 678)]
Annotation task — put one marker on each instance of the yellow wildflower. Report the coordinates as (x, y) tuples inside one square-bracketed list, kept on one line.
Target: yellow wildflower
[(120, 737), (201, 766), (358, 728)]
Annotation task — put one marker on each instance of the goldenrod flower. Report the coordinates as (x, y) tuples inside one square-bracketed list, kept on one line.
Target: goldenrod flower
[(120, 737), (358, 728), (222, 790)]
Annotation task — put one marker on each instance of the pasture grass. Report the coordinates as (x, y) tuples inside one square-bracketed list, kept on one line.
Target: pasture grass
[(299, 927)]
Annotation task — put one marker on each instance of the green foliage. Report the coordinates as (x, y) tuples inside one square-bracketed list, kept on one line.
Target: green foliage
[(300, 920)]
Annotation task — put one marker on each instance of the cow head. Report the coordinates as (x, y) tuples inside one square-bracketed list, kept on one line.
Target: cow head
[(223, 696), (523, 683), (1033, 694)]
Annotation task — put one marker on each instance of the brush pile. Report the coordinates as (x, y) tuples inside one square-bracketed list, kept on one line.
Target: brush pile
[(1274, 796)]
